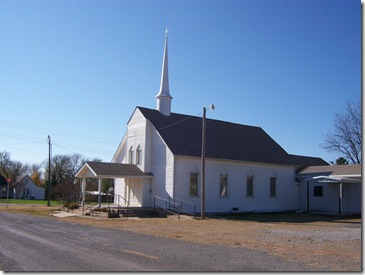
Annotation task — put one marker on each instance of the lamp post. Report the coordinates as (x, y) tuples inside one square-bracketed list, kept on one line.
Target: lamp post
[(212, 107), (49, 172)]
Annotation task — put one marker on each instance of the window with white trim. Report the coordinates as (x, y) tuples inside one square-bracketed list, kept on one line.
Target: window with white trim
[(131, 154), (273, 187), (193, 184), (249, 187), (223, 185), (139, 155)]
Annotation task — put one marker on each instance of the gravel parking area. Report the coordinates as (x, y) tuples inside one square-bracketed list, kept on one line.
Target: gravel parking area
[(325, 243)]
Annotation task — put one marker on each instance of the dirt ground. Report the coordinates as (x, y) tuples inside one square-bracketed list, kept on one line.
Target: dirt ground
[(323, 242)]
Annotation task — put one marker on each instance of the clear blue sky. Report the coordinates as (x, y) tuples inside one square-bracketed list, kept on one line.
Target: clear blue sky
[(76, 69)]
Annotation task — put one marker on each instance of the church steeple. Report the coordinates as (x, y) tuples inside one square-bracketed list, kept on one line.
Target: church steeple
[(163, 96)]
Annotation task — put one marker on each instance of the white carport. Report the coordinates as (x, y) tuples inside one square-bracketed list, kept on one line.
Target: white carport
[(331, 189), (330, 180), (102, 170)]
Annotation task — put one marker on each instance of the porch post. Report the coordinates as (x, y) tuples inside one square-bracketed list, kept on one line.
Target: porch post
[(99, 192), (308, 196), (83, 188)]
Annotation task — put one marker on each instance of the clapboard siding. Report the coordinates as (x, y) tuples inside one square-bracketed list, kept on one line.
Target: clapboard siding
[(162, 167), (287, 192), (329, 202)]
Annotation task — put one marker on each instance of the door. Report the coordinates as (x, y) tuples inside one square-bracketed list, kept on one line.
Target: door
[(135, 192)]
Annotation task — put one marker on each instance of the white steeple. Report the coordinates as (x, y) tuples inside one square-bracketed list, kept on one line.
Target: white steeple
[(163, 96)]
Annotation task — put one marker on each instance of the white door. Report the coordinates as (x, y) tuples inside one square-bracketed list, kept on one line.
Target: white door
[(135, 192)]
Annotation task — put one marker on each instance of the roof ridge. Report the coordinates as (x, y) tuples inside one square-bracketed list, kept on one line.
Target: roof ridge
[(196, 116)]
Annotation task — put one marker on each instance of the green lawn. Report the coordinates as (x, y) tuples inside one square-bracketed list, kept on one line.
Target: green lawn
[(20, 201)]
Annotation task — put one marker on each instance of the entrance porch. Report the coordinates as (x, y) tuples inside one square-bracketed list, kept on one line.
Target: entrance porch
[(131, 184)]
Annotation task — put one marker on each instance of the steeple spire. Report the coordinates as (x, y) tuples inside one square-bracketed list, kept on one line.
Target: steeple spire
[(163, 96)]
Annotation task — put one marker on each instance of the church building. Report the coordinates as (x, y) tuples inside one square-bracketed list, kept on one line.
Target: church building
[(159, 159)]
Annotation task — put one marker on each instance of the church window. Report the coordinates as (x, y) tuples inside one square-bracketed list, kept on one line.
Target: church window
[(223, 185), (139, 155), (193, 184), (272, 187), (249, 187), (131, 155)]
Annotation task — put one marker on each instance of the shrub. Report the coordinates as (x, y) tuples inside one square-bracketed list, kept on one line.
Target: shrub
[(71, 206)]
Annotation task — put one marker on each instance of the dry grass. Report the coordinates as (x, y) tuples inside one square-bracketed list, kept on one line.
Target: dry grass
[(325, 243)]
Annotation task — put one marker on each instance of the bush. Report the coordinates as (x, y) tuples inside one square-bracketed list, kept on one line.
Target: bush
[(71, 206)]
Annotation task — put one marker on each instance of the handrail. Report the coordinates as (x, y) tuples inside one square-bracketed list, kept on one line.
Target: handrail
[(185, 202), (169, 206), (126, 202)]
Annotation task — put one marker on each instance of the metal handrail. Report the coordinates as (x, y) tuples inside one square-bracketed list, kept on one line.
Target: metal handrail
[(169, 206), (185, 202), (126, 202)]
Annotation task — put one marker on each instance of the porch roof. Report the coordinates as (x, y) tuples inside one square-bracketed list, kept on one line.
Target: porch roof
[(332, 174), (92, 169), (327, 179)]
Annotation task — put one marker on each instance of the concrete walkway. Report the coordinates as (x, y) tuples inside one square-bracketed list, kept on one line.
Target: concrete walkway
[(63, 214)]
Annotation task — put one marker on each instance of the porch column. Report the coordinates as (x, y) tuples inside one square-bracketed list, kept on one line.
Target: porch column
[(83, 188), (99, 192), (308, 196)]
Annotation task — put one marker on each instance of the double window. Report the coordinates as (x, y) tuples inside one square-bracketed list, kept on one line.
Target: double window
[(138, 156)]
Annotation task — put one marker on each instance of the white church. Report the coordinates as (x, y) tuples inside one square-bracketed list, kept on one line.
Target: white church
[(160, 156)]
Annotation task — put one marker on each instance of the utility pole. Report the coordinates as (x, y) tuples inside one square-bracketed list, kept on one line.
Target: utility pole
[(212, 107), (203, 165), (49, 172)]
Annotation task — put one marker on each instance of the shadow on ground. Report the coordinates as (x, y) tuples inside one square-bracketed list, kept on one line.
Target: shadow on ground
[(290, 217)]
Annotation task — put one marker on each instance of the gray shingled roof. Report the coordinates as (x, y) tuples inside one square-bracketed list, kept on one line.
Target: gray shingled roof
[(305, 161), (224, 140), (335, 170), (116, 169)]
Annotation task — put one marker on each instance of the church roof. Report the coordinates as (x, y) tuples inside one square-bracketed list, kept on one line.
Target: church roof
[(335, 170), (224, 140), (107, 169)]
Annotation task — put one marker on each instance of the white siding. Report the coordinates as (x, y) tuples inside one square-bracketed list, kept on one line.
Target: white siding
[(156, 159), (351, 200), (120, 189), (162, 167), (329, 202), (32, 191), (287, 192)]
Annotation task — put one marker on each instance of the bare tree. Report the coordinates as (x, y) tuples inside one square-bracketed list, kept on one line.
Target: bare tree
[(346, 136), (11, 169)]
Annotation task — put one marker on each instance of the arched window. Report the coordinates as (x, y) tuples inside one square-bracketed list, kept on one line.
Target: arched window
[(139, 155), (131, 155)]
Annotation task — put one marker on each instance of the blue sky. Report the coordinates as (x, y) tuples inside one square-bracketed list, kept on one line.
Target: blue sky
[(76, 69)]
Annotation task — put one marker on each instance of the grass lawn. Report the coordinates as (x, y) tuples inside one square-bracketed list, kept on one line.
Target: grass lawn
[(38, 202)]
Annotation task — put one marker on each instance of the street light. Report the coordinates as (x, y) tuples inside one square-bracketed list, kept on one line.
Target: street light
[(211, 107), (49, 171)]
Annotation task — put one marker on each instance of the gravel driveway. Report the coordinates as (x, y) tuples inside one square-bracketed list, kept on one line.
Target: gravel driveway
[(41, 244)]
